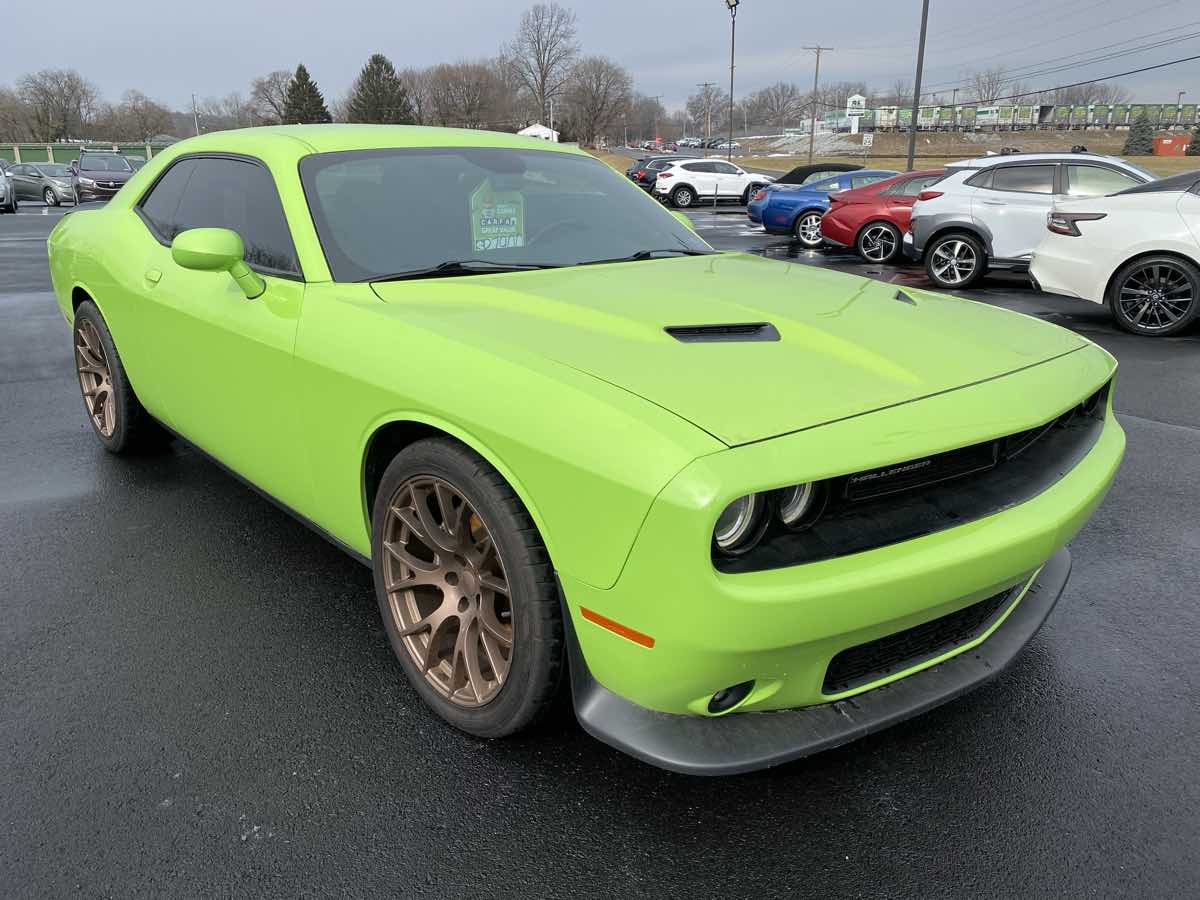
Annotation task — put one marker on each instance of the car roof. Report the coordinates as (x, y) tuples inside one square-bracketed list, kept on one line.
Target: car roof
[(982, 162), (304, 140)]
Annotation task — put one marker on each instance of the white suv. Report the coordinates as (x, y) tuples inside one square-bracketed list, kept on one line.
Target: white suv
[(990, 213), (694, 180)]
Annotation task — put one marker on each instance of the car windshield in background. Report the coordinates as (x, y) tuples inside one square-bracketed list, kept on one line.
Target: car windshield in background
[(414, 212), (104, 164), (56, 171)]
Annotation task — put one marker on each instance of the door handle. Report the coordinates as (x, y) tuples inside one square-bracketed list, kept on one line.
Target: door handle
[(153, 276), (993, 202)]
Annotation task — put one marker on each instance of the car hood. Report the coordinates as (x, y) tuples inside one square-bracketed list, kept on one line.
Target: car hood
[(847, 345), (102, 175)]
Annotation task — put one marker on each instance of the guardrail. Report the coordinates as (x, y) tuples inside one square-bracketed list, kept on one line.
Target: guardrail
[(61, 153)]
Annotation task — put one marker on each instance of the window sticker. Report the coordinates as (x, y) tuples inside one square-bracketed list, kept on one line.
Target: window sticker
[(497, 218)]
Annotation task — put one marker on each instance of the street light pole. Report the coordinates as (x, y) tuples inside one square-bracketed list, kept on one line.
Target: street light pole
[(733, 5), (812, 129), (912, 125)]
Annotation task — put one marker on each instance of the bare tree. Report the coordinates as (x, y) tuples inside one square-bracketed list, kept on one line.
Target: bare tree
[(597, 94), (643, 115), (901, 95), (708, 108), (416, 83), (230, 111), (268, 96), (988, 85), (60, 102), (833, 95), (138, 118), (14, 117), (779, 103), (543, 51), (466, 95)]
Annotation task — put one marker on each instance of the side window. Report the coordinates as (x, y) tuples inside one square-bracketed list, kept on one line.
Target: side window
[(857, 181), (695, 167), (159, 206), (1026, 179), (982, 180), (829, 184), (815, 177), (241, 196), (724, 168), (1096, 181)]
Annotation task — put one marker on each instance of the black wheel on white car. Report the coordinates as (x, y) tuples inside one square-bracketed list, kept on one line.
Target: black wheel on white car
[(808, 229), (746, 194), (879, 242), (1155, 295), (682, 197), (955, 261)]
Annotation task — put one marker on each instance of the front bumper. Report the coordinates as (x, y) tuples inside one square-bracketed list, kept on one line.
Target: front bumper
[(732, 744), (782, 627)]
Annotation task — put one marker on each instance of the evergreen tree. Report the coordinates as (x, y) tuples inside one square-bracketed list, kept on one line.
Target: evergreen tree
[(1141, 138), (1194, 147), (304, 104), (379, 96)]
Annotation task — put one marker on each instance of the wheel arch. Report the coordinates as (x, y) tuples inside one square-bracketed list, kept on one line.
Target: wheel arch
[(1112, 276), (683, 184), (971, 229), (392, 434)]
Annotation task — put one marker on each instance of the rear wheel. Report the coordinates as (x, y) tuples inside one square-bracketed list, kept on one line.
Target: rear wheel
[(682, 197), (1155, 295), (808, 229), (118, 418), (955, 261), (879, 242), (466, 591)]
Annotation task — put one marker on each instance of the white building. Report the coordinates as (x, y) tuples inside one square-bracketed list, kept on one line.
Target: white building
[(538, 130)]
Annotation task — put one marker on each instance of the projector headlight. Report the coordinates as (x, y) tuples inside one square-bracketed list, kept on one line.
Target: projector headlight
[(740, 525)]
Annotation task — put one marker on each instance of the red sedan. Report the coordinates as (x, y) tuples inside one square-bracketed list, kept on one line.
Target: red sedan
[(873, 219)]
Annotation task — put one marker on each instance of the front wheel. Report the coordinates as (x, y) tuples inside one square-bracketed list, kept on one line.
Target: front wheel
[(466, 590), (808, 229), (117, 416), (955, 261), (879, 242), (682, 197), (1155, 296), (49, 197)]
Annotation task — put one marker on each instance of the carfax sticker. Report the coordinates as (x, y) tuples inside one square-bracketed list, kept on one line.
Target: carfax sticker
[(497, 219)]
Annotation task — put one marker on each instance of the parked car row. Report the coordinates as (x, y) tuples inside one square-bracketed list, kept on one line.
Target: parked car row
[(95, 175), (709, 144), (1093, 227)]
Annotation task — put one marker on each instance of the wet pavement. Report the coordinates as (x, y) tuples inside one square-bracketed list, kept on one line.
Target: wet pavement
[(197, 698)]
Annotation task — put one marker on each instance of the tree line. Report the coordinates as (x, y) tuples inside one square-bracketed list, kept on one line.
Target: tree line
[(540, 75)]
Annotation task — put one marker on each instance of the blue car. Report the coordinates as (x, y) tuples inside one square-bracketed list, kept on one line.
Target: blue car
[(797, 209)]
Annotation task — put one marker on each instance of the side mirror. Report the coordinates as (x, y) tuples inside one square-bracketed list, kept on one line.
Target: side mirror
[(684, 219), (217, 250)]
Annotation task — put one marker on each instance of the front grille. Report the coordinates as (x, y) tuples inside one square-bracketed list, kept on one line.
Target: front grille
[(864, 663), (915, 497)]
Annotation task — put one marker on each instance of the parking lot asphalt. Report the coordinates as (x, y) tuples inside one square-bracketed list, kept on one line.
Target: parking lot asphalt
[(197, 697)]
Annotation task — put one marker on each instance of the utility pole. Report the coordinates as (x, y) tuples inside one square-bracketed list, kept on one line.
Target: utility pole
[(812, 130), (657, 102), (733, 5), (706, 86), (195, 116), (954, 109), (916, 107)]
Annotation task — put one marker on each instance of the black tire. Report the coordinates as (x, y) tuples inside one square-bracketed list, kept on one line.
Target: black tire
[(746, 194), (49, 197), (537, 662), (873, 241), (1163, 290), (803, 232), (683, 197), (134, 430), (955, 261)]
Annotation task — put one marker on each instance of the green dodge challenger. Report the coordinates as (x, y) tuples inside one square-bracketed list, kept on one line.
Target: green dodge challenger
[(748, 509)]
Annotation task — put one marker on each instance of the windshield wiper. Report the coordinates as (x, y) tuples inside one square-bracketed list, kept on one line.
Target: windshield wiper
[(460, 267), (649, 254)]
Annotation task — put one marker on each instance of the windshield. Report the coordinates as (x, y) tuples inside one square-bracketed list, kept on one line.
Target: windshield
[(112, 163), (56, 171), (382, 212)]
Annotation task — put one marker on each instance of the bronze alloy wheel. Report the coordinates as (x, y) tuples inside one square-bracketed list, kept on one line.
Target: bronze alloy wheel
[(447, 591), (95, 378)]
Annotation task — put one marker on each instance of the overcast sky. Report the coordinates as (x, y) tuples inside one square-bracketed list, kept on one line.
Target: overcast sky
[(170, 50)]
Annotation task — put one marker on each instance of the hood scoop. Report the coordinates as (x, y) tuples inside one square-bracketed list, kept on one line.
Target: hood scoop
[(715, 334)]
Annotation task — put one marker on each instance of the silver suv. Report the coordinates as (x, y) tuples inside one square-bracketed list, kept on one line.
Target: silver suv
[(990, 213)]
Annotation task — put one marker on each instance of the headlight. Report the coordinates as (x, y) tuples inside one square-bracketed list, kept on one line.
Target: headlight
[(796, 502), (740, 525), (87, 181)]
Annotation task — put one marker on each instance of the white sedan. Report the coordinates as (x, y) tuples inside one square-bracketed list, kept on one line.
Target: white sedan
[(1138, 251)]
